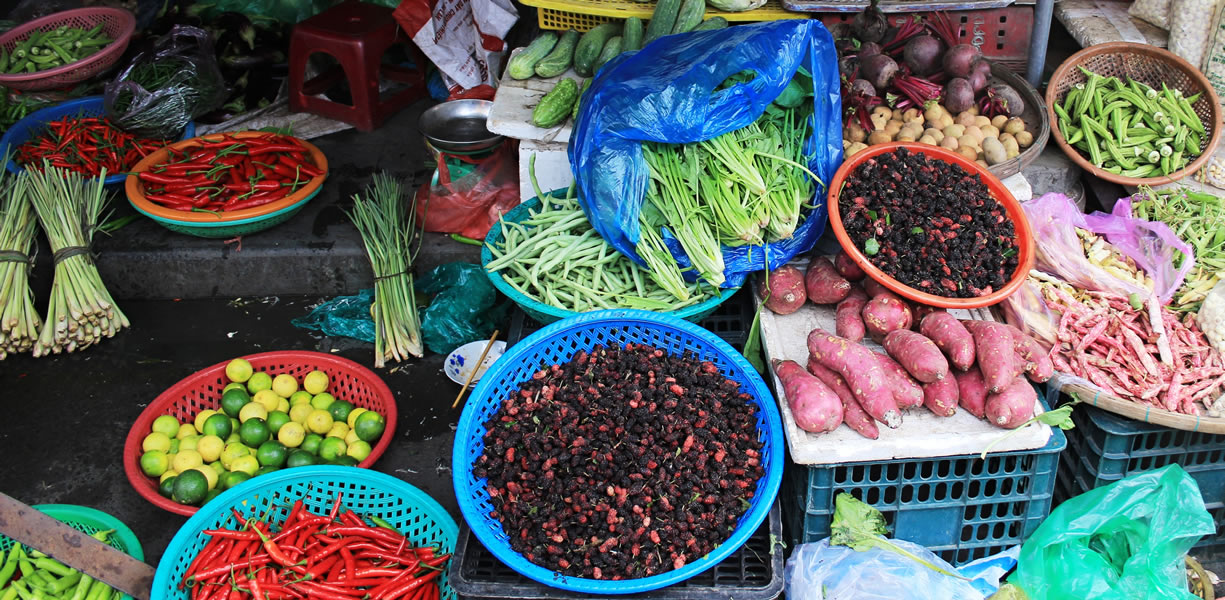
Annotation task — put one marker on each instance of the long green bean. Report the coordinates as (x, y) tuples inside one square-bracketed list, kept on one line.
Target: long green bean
[(1199, 220)]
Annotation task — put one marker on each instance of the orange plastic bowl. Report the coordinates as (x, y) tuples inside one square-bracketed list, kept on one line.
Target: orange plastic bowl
[(136, 188), (1025, 236)]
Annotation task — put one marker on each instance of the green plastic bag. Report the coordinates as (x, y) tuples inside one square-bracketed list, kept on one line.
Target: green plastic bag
[(345, 316), (464, 309), (1124, 540)]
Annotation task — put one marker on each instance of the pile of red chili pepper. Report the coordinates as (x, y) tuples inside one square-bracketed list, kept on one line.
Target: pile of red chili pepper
[(228, 173), (334, 557), (86, 145)]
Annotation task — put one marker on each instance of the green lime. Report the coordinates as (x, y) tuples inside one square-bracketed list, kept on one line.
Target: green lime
[(300, 397), (233, 478), (255, 432), (190, 487), (238, 370), (300, 458), (166, 487), (310, 443), (369, 426), (322, 401), (332, 448), (213, 493), (259, 382), (275, 420), (233, 400), (272, 454), (154, 463), (345, 461), (218, 425), (174, 447), (234, 385), (266, 469), (340, 410), (167, 425)]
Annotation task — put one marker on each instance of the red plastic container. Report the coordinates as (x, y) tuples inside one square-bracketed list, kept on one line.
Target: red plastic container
[(347, 381), (1025, 234), (117, 23)]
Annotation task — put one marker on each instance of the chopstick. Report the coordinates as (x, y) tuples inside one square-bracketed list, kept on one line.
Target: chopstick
[(475, 368)]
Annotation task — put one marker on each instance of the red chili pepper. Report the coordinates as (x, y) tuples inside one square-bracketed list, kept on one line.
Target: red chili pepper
[(407, 560), (351, 519), (214, 548), (158, 178), (255, 561), (256, 200), (350, 563), (227, 533), (374, 533), (298, 527), (313, 590), (408, 587)]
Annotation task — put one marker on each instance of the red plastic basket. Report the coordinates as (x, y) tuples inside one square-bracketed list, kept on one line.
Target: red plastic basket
[(117, 23), (348, 381)]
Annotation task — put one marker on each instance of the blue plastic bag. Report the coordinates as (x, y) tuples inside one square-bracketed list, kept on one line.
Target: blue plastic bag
[(666, 93)]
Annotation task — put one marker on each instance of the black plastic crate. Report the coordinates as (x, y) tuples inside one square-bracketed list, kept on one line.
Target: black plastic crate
[(752, 572)]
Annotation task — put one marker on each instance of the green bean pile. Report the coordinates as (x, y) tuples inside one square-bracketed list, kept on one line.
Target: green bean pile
[(1199, 220), (1131, 129), (556, 258)]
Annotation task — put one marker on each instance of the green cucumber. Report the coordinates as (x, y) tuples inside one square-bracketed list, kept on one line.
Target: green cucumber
[(523, 65), (711, 24), (578, 102), (611, 49), (631, 38), (560, 58), (662, 20), (590, 45), (556, 105), (689, 15)]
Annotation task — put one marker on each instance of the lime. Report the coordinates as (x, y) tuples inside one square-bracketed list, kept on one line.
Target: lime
[(266, 398), (231, 479), (217, 467), (201, 417), (167, 475), (319, 421), (345, 461), (174, 447), (190, 487), (264, 470), (282, 405), (284, 385), (369, 426), (155, 441), (338, 430), (300, 397), (233, 400), (233, 385), (233, 437), (359, 450), (353, 415), (340, 410), (166, 425), (209, 475), (271, 453), (315, 382), (154, 463), (299, 412), (246, 464), (300, 458), (166, 487), (322, 401), (218, 425), (210, 447), (259, 381), (332, 448), (253, 410), (185, 430), (238, 370), (291, 434), (254, 432), (275, 420), (310, 443), (185, 460), (213, 493), (232, 451), (351, 437), (189, 443)]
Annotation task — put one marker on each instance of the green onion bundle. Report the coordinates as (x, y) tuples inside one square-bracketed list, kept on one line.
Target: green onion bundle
[(385, 220), (80, 312), (19, 320)]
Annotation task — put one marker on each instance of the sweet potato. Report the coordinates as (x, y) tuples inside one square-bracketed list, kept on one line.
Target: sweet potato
[(823, 283), (1038, 364), (906, 391), (971, 391), (993, 351), (874, 288), (1041, 369), (862, 372), (1013, 406), (815, 407), (951, 337), (920, 311), (885, 313), (848, 322), (940, 396), (847, 268), (917, 354), (852, 413), (783, 290)]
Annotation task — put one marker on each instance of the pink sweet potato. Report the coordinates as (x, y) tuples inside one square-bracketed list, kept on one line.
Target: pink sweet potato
[(906, 391), (848, 322), (874, 288), (823, 283), (852, 413), (862, 372), (971, 391), (917, 354), (940, 397), (1041, 369), (783, 290), (1013, 406), (815, 407), (885, 313), (951, 337), (846, 267), (993, 350), (1038, 364), (920, 311)]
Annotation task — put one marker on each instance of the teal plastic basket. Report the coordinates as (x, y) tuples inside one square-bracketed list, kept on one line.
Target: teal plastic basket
[(89, 521), (411, 511), (229, 229), (545, 314)]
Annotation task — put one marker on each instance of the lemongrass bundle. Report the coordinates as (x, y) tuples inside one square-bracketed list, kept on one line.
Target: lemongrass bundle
[(19, 320)]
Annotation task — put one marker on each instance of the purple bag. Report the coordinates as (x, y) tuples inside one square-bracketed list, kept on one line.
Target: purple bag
[(1151, 244)]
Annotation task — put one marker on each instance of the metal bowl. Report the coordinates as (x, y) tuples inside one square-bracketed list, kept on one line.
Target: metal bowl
[(458, 126)]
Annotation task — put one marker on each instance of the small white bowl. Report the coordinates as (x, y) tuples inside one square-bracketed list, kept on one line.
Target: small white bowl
[(458, 365)]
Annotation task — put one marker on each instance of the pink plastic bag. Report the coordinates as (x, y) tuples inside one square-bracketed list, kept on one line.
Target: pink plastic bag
[(471, 204), (1150, 243)]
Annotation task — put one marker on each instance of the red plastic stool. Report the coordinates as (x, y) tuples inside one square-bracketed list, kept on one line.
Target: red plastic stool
[(356, 34)]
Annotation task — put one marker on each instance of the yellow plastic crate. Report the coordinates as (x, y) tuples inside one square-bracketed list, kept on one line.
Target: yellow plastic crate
[(582, 15)]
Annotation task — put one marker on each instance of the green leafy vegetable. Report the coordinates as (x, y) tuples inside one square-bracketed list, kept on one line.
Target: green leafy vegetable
[(860, 527), (1060, 417)]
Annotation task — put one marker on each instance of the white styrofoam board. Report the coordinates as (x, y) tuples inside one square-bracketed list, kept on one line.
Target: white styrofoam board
[(1019, 187), (921, 435), (511, 113), (552, 167)]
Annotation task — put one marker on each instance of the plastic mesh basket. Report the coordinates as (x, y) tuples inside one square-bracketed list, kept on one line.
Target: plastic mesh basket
[(118, 24), (558, 343), (413, 512), (583, 15), (347, 381), (89, 521)]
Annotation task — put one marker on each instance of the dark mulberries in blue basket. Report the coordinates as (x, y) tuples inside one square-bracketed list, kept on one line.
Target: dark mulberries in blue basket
[(623, 463)]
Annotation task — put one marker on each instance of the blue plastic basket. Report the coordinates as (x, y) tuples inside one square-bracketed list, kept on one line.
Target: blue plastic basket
[(546, 314), (558, 343), (90, 106), (413, 512)]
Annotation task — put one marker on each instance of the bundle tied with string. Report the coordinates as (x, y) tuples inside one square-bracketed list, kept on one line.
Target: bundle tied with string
[(19, 320), (80, 311)]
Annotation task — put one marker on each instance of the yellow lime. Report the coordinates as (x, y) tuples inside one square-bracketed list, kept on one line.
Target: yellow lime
[(322, 401), (369, 426), (209, 475), (167, 425), (232, 451), (156, 441), (233, 385), (167, 475), (300, 397), (284, 385), (319, 421), (185, 460), (189, 443), (359, 450), (259, 381), (246, 464), (332, 448), (353, 415), (210, 447), (315, 382), (351, 437), (339, 430), (218, 425), (253, 410), (185, 430), (154, 463), (299, 412), (233, 437), (291, 434), (217, 467), (190, 487), (282, 405), (239, 370), (266, 398), (201, 418)]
